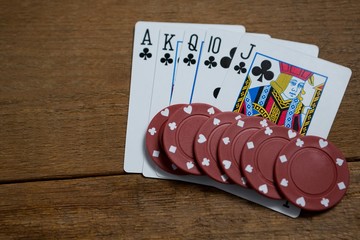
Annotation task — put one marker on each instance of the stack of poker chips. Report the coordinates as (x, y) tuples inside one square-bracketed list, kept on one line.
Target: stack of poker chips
[(252, 152)]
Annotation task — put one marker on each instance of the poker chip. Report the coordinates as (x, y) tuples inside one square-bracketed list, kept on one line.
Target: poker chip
[(259, 156), (312, 173), (231, 144), (206, 144), (154, 136), (180, 133)]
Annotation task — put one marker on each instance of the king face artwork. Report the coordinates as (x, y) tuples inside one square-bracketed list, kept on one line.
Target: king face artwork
[(283, 93)]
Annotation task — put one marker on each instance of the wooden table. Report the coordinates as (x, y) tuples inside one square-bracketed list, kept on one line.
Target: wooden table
[(64, 90)]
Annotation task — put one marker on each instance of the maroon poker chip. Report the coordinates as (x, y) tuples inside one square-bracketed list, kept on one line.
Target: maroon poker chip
[(180, 133), (312, 173), (259, 156), (206, 144), (153, 139), (231, 144)]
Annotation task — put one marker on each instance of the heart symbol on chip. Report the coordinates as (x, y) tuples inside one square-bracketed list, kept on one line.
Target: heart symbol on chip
[(284, 182), (291, 134), (188, 109), (301, 201), (249, 168), (226, 140), (263, 188), (325, 202), (189, 165), (172, 126), (201, 138), (165, 112), (227, 164), (339, 162), (211, 111), (323, 143), (216, 121)]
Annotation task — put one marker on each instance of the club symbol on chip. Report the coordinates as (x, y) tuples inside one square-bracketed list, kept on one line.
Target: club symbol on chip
[(249, 168), (145, 54), (172, 126), (268, 131), (152, 131), (325, 202), (263, 123), (205, 162), (299, 142)]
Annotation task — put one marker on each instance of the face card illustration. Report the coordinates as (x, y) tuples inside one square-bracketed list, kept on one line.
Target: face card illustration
[(218, 51), (188, 66), (284, 86)]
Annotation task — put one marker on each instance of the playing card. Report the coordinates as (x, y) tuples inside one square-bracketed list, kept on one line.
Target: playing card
[(170, 41), (143, 68), (188, 66), (306, 48), (218, 51), (284, 86)]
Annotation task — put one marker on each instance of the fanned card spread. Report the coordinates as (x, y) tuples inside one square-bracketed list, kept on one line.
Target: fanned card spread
[(243, 112)]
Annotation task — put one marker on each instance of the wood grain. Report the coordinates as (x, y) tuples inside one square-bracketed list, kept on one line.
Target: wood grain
[(64, 89), (132, 207)]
